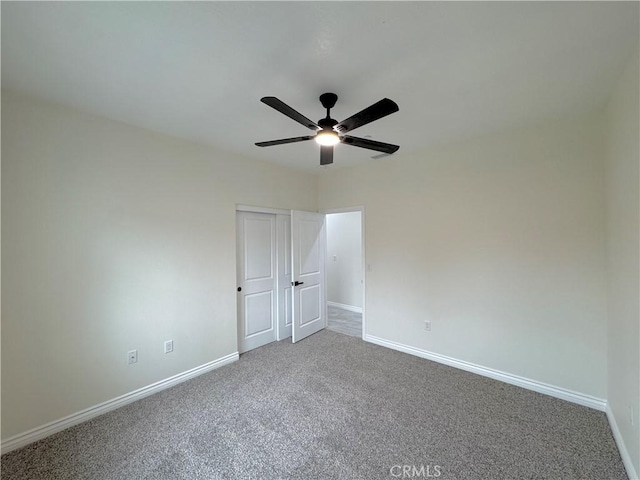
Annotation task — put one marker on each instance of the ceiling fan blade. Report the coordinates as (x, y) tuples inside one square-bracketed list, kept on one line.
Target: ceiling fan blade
[(284, 140), (370, 144), (376, 111), (326, 155), (282, 107)]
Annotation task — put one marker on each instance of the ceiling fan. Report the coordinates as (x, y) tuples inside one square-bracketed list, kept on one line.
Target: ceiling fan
[(330, 132)]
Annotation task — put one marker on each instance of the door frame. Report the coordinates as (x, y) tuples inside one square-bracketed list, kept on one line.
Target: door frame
[(276, 212), (358, 208)]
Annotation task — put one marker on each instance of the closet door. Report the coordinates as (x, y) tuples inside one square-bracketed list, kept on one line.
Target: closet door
[(257, 279), (285, 290), (308, 245)]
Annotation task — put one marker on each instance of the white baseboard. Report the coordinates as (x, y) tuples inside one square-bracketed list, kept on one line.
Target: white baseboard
[(536, 386), (350, 308), (624, 453), (39, 433)]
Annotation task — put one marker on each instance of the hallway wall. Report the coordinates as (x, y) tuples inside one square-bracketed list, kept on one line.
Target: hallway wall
[(344, 258)]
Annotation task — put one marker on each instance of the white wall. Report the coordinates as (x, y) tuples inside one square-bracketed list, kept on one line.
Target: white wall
[(623, 243), (115, 238), (499, 241), (344, 258)]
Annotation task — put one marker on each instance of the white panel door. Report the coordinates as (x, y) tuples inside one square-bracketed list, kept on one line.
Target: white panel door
[(283, 224), (257, 275), (308, 240)]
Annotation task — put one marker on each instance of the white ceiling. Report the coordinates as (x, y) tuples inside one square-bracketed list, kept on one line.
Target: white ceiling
[(198, 70)]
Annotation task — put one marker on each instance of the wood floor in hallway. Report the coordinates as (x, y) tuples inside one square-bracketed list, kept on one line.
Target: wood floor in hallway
[(344, 321)]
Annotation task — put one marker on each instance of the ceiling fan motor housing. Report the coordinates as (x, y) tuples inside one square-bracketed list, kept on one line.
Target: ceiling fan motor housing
[(327, 123)]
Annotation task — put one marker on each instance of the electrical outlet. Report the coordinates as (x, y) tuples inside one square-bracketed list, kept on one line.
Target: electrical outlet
[(132, 357), (168, 346), (427, 325)]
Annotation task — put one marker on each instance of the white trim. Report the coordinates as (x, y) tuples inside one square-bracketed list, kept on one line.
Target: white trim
[(358, 208), (274, 211), (624, 453), (350, 308), (56, 426), (529, 384)]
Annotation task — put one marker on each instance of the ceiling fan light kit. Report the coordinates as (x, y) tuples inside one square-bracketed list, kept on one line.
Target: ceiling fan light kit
[(330, 132), (327, 138)]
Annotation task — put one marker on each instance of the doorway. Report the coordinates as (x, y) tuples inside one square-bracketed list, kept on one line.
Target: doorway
[(345, 271)]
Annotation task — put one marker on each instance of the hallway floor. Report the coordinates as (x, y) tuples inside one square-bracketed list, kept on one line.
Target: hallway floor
[(344, 321)]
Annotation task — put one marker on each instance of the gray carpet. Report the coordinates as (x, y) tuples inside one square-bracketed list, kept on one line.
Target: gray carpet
[(331, 407), (344, 321)]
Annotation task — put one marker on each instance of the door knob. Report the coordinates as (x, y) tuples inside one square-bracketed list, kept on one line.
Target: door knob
[(295, 284), (239, 289)]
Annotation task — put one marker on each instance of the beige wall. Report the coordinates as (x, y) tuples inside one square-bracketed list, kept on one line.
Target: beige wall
[(115, 238), (499, 242), (623, 243)]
